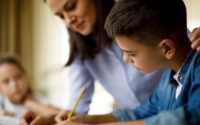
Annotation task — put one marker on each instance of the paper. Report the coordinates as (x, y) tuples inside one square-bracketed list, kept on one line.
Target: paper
[(5, 120)]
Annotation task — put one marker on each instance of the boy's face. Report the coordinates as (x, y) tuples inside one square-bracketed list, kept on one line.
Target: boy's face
[(13, 83), (144, 58)]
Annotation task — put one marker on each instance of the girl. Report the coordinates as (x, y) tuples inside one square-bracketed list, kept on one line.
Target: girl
[(16, 96)]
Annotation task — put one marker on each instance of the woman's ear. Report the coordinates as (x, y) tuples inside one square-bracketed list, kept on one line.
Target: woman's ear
[(167, 48)]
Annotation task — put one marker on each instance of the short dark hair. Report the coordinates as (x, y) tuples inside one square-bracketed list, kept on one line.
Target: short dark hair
[(9, 59), (148, 21)]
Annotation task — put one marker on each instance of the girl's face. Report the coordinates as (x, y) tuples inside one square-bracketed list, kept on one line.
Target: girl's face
[(13, 83), (143, 57), (78, 15)]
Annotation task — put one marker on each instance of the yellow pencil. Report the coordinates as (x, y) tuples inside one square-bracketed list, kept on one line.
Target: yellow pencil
[(76, 103)]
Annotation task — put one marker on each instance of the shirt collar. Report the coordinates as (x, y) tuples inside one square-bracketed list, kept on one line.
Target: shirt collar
[(183, 70)]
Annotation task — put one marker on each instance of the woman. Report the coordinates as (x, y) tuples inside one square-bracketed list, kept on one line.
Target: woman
[(94, 56)]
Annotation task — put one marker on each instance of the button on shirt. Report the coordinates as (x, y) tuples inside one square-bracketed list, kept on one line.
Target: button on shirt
[(128, 86), (162, 108)]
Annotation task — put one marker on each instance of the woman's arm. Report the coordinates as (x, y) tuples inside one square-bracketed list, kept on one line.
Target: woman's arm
[(41, 109)]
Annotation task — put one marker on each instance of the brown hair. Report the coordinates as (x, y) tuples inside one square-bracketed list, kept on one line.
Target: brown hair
[(86, 47), (7, 59)]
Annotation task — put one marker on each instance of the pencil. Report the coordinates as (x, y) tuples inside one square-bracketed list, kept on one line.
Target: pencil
[(76, 103)]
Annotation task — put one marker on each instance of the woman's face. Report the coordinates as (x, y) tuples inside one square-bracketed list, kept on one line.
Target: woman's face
[(78, 15)]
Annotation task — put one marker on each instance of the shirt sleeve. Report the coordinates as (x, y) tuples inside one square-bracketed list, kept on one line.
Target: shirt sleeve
[(78, 78)]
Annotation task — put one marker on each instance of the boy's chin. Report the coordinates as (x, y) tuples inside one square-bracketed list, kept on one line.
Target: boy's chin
[(146, 72)]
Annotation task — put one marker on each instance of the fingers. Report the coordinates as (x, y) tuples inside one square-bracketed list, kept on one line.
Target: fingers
[(61, 116), (27, 118), (37, 121), (23, 122), (196, 44), (195, 34)]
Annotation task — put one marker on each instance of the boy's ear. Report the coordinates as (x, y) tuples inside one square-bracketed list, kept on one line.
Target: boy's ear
[(167, 48)]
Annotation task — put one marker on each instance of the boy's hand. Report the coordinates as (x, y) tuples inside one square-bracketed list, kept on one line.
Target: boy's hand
[(195, 39)]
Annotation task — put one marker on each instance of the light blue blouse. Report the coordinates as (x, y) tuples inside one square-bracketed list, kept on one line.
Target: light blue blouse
[(128, 86)]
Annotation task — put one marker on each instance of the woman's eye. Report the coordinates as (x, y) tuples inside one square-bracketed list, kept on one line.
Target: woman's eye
[(70, 6), (61, 16)]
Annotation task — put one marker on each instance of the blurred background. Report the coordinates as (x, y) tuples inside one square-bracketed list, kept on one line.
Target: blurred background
[(30, 30)]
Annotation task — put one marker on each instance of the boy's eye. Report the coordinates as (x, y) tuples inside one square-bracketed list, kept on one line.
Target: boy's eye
[(130, 54), (70, 6)]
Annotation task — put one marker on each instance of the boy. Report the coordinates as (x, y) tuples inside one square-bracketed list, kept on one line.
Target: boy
[(153, 35)]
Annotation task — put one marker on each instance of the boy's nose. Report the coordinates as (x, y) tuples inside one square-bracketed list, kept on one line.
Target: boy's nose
[(125, 57)]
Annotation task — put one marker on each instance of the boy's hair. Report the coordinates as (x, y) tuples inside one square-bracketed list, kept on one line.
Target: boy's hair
[(11, 60), (148, 21)]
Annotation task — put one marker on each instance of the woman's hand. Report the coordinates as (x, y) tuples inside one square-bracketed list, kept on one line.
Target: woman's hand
[(61, 116), (195, 39)]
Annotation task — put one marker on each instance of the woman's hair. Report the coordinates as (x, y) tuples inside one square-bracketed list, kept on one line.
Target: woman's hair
[(86, 47), (11, 60)]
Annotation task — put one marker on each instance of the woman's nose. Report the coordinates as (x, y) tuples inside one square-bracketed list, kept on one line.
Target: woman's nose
[(69, 19)]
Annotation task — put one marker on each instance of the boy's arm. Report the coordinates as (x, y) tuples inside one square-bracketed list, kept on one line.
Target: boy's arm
[(94, 119), (138, 122)]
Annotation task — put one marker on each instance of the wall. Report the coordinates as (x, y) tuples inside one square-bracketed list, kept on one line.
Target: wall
[(193, 15), (49, 53)]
